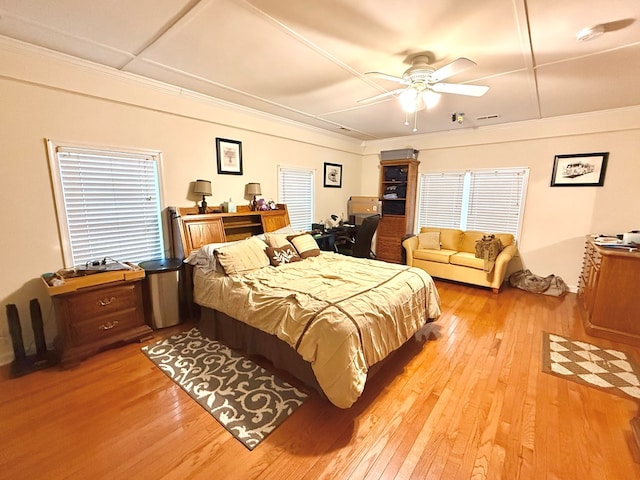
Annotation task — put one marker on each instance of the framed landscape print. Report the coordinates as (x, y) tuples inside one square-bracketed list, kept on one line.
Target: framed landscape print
[(229, 156), (332, 175), (579, 170)]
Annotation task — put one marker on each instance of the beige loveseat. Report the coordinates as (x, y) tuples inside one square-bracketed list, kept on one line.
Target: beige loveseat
[(450, 254)]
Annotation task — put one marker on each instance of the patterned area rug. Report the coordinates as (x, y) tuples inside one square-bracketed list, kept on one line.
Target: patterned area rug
[(246, 399), (588, 364)]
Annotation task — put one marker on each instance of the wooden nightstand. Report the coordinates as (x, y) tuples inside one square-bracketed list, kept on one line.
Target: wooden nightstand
[(94, 314)]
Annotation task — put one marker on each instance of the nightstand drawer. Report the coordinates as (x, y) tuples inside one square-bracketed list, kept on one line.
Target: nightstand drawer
[(101, 328), (98, 317), (105, 301)]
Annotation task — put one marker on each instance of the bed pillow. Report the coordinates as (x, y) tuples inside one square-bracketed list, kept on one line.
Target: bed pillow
[(243, 257), (305, 245), (205, 258), (277, 240), (429, 240), (288, 229), (281, 255)]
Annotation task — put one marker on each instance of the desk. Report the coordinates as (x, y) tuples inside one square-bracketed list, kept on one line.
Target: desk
[(325, 241)]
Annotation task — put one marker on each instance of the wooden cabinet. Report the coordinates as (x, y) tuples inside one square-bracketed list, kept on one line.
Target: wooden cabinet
[(192, 230), (397, 192), (97, 317), (607, 291)]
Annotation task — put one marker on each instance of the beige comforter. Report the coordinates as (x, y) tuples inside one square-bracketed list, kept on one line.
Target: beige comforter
[(341, 314)]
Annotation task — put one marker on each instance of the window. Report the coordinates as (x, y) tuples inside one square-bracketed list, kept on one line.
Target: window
[(485, 200), (295, 187), (108, 204)]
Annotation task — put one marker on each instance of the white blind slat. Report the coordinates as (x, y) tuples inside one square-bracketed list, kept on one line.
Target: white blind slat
[(112, 204), (295, 189), (484, 200), (440, 203)]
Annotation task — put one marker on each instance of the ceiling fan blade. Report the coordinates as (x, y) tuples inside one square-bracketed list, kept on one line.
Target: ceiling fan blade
[(386, 76), (382, 95), (459, 65), (460, 89)]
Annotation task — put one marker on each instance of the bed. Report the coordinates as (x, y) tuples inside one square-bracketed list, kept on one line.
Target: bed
[(327, 319)]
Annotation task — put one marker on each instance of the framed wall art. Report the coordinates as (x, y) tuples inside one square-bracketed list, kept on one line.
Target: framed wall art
[(332, 175), (229, 156), (579, 170)]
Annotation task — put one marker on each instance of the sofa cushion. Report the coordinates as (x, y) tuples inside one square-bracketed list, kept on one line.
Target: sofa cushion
[(469, 238), (429, 240), (439, 256), (449, 237), (465, 259)]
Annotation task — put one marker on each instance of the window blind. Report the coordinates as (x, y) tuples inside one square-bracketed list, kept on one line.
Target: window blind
[(110, 205), (484, 200), (440, 202), (495, 200), (295, 189)]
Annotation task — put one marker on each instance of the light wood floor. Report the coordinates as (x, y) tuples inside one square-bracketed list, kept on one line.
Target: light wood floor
[(470, 403)]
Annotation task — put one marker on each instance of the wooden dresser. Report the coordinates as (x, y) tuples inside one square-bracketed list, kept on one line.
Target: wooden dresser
[(608, 293), (94, 313)]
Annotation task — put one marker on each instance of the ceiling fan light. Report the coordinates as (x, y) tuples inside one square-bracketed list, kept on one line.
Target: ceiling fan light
[(430, 98), (408, 100)]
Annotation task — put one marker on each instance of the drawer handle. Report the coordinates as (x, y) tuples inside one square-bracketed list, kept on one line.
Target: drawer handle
[(106, 301), (109, 325)]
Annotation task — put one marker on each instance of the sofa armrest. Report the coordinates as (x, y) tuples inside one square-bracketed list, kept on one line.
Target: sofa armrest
[(410, 244), (502, 262)]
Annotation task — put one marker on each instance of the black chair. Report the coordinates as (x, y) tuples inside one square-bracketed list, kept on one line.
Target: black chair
[(360, 246)]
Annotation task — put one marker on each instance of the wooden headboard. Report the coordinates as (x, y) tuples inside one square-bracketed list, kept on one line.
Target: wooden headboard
[(190, 230)]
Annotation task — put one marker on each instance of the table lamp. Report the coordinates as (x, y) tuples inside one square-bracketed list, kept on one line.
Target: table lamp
[(202, 187), (253, 189)]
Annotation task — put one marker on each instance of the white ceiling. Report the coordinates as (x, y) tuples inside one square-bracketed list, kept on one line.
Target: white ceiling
[(305, 60)]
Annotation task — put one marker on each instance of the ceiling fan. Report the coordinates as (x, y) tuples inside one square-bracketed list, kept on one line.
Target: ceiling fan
[(423, 83)]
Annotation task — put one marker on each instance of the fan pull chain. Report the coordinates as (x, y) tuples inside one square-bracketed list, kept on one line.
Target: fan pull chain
[(406, 119), (415, 121)]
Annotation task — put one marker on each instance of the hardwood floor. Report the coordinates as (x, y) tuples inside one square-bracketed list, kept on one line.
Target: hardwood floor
[(471, 402)]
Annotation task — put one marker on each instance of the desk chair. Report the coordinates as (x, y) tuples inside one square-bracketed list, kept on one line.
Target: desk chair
[(360, 246)]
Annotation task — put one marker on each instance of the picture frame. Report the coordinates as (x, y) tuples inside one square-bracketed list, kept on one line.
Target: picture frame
[(332, 175), (579, 170), (229, 156)]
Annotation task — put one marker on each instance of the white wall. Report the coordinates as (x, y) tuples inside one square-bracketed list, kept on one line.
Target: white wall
[(556, 219), (58, 98), (44, 96)]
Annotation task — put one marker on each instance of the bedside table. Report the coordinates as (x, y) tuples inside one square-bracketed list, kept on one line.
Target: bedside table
[(92, 318)]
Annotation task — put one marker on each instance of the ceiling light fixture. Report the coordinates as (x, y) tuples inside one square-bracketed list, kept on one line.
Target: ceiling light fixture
[(423, 85), (417, 97), (589, 33)]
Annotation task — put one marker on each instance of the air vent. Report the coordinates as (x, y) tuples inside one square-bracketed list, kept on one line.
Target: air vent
[(487, 117)]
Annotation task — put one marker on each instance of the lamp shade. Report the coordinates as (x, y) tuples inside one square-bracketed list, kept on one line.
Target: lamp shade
[(253, 189), (202, 187)]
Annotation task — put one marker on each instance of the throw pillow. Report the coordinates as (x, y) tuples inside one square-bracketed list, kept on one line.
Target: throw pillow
[(243, 257), (281, 255), (305, 245), (429, 240), (277, 240)]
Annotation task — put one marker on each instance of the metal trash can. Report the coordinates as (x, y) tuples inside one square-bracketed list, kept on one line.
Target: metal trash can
[(161, 292)]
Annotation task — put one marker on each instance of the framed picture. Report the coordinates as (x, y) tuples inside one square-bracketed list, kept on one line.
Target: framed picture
[(579, 170), (332, 175), (229, 153)]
